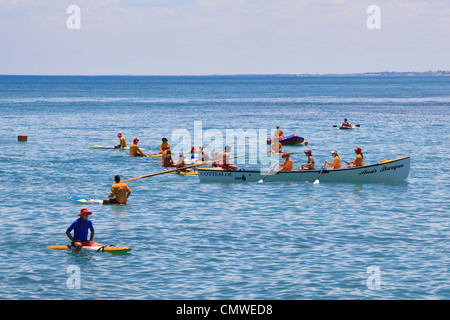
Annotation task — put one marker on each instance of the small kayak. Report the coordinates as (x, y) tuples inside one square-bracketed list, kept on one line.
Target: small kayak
[(85, 200), (94, 248), (346, 127)]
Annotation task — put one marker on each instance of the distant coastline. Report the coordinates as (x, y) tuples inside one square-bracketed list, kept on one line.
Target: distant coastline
[(381, 74)]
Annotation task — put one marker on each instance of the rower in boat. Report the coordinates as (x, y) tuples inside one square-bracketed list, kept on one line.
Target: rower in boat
[(135, 151), (224, 160), (359, 160), (336, 164), (288, 165), (310, 165), (279, 134), (164, 145), (167, 158), (122, 142), (203, 154), (180, 164)]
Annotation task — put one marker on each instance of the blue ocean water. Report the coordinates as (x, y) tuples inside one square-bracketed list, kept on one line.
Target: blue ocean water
[(193, 240)]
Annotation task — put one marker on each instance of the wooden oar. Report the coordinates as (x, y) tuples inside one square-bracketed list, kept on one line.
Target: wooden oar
[(160, 163), (172, 170), (262, 180), (323, 167)]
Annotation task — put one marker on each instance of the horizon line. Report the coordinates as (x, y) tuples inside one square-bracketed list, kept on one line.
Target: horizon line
[(369, 73)]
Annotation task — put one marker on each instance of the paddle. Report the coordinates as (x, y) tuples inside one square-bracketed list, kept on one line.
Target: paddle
[(260, 181), (323, 167), (160, 163), (172, 170), (356, 125)]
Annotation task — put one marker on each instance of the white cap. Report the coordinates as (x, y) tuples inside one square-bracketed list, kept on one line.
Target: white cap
[(334, 151)]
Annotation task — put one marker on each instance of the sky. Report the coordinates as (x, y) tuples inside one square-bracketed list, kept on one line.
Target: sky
[(206, 37)]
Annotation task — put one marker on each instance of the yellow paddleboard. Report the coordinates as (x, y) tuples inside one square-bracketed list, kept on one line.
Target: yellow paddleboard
[(190, 173)]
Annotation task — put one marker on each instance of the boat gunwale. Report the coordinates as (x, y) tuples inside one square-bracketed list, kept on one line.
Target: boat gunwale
[(308, 171)]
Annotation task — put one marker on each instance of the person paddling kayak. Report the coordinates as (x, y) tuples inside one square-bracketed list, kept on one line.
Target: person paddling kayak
[(81, 228), (346, 123)]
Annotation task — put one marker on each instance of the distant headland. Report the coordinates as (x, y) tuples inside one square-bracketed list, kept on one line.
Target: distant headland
[(381, 74)]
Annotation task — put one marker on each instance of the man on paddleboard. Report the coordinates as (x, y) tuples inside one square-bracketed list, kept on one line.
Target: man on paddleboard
[(119, 192), (135, 151), (164, 145), (81, 227), (122, 142)]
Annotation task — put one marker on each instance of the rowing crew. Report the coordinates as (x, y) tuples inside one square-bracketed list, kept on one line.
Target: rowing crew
[(288, 165)]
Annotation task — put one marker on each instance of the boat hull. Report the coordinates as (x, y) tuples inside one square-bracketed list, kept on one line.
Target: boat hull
[(396, 170), (293, 139)]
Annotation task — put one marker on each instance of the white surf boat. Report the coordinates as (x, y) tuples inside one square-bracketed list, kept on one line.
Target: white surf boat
[(386, 171)]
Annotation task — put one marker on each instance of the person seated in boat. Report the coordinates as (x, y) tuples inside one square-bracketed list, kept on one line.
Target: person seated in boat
[(276, 147), (216, 157), (288, 165), (279, 134), (346, 123), (135, 151), (203, 154), (359, 160), (81, 228), (122, 142), (180, 164), (167, 158), (310, 165), (224, 160), (164, 145), (193, 150), (119, 192), (336, 164)]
